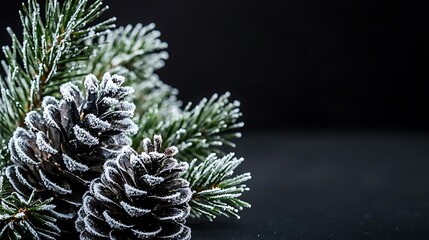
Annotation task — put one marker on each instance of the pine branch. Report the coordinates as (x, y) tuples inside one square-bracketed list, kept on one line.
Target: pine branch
[(30, 218), (51, 53), (196, 132), (215, 191)]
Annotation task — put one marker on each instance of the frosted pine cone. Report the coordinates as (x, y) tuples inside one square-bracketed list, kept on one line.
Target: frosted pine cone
[(138, 197), (62, 150)]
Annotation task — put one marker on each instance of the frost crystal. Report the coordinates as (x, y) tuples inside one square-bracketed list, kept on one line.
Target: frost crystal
[(96, 123), (152, 180), (73, 165), (134, 192), (134, 211), (91, 83), (69, 92), (53, 186), (43, 145), (50, 114), (84, 136), (113, 223)]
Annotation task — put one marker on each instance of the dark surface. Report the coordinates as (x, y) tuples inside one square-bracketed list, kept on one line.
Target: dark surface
[(292, 63), (331, 185)]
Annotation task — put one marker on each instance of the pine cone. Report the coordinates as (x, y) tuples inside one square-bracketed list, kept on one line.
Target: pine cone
[(60, 152), (138, 197)]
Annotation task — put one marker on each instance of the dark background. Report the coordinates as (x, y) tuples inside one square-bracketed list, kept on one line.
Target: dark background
[(292, 63), (335, 101)]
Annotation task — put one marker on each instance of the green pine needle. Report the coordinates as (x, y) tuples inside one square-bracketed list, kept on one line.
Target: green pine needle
[(30, 218), (216, 191)]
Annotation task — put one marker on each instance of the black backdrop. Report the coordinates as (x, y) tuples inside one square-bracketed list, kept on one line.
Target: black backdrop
[(292, 63)]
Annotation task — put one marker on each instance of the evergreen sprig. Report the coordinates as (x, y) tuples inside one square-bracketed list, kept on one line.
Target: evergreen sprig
[(51, 52), (31, 218), (196, 131), (216, 191)]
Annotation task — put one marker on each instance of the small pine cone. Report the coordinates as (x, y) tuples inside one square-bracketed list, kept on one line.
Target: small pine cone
[(62, 150), (138, 197)]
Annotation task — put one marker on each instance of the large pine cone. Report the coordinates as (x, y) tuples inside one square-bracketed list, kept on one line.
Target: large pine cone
[(138, 197), (62, 150)]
